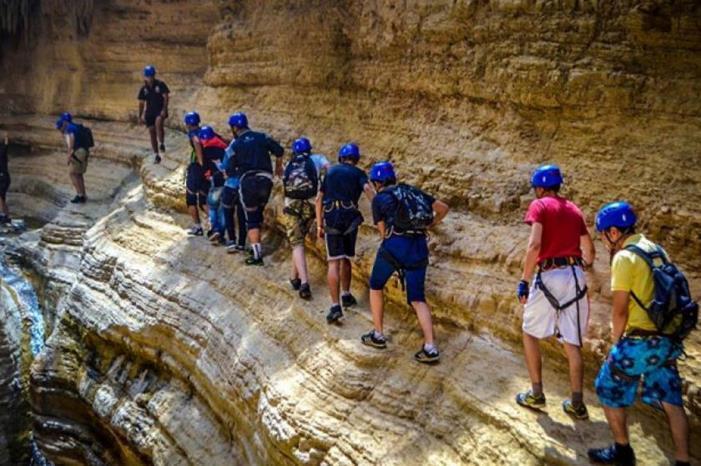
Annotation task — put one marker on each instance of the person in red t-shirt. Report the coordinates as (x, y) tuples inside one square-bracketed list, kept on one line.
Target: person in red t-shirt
[(560, 247)]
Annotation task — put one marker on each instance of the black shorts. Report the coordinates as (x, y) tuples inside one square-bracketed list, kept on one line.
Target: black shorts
[(197, 185), (341, 246), (229, 197), (255, 190), (4, 184), (150, 118)]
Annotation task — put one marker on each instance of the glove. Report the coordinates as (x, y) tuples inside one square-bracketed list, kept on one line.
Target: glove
[(522, 289)]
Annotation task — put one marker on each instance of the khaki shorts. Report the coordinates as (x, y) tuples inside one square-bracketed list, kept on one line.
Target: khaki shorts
[(298, 219), (79, 166)]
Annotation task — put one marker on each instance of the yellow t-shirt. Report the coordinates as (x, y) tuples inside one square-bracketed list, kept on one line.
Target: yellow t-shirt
[(629, 272)]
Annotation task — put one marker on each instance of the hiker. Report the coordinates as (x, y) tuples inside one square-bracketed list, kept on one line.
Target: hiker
[(234, 216), (195, 183), (642, 350), (79, 140), (213, 146), (301, 184), (153, 109), (250, 161), (4, 182), (337, 220), (402, 214), (559, 248)]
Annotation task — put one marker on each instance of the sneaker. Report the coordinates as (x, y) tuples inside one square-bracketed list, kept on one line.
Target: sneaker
[(348, 300), (427, 357), (529, 400), (4, 220), (157, 159), (612, 455), (195, 231), (78, 199), (369, 339), (162, 148), (233, 248), (251, 260), (296, 283), (213, 235), (579, 413), (334, 314), (305, 292)]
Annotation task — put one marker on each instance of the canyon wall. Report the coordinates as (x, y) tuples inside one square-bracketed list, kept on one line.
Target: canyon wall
[(166, 351)]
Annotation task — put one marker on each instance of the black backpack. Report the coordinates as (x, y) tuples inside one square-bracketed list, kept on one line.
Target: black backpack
[(83, 138), (301, 180), (414, 209), (672, 310)]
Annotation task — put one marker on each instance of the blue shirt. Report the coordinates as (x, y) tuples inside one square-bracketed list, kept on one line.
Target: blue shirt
[(345, 183), (251, 151)]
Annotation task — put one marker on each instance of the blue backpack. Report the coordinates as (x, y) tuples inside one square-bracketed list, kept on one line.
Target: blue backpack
[(672, 310)]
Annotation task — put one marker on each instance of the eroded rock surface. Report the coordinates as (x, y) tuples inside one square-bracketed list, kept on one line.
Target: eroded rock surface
[(167, 351)]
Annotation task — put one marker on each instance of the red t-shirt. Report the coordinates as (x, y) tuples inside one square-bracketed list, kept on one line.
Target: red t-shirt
[(563, 225)]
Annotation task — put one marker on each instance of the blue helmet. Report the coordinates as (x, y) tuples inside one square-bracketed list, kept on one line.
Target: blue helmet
[(546, 176), (149, 71), (382, 171), (65, 116), (206, 132), (238, 120), (349, 151), (192, 118), (301, 146), (617, 214)]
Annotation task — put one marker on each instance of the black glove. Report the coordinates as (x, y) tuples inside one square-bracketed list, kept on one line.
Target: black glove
[(522, 289)]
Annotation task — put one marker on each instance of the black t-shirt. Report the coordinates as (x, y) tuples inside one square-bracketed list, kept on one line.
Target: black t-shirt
[(251, 151), (344, 183), (3, 159), (153, 96)]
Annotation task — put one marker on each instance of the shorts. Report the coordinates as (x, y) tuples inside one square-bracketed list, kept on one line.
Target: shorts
[(196, 185), (341, 246), (414, 275), (651, 360), (150, 118), (541, 320), (254, 192), (298, 220), (4, 184), (79, 162)]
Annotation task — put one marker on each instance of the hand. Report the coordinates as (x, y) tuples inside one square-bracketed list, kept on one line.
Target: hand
[(68, 160), (522, 291), (6, 138), (141, 120), (164, 113), (320, 232)]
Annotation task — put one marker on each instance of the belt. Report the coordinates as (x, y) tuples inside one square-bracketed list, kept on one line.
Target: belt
[(340, 205), (557, 262), (641, 333)]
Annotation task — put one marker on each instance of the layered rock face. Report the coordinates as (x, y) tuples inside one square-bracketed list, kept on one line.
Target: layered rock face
[(167, 351)]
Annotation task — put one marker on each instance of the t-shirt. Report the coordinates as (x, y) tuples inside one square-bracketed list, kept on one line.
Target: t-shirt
[(3, 159), (384, 207), (154, 96), (344, 182), (630, 272), (563, 226), (193, 137), (251, 151)]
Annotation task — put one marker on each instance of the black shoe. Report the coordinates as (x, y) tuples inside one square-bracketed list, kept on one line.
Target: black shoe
[(4, 220), (369, 339), (296, 283), (334, 314), (162, 148), (157, 159), (79, 199), (213, 235), (612, 454), (305, 292), (427, 357), (195, 231), (253, 261), (348, 300)]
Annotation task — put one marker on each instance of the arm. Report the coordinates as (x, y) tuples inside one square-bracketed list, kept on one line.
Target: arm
[(441, 210), (142, 105), (620, 314), (198, 151), (532, 252), (166, 99), (318, 208), (369, 192), (278, 167), (70, 140), (588, 251), (382, 228)]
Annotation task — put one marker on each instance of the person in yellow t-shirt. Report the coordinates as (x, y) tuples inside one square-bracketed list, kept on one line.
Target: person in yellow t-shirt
[(640, 352)]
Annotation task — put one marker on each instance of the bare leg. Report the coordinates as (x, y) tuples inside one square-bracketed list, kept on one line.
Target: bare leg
[(679, 425), (346, 275), (194, 214), (299, 264), (423, 312), (574, 356), (74, 182), (618, 423), (154, 141), (159, 130), (333, 278), (3, 206), (254, 235), (534, 363), (377, 306), (80, 184)]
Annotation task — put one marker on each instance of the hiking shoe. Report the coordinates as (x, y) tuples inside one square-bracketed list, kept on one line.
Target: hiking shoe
[(529, 400), (334, 314), (195, 231), (427, 357), (296, 283), (251, 260), (578, 413), (4, 220), (213, 235), (162, 148), (78, 199), (348, 300), (612, 455), (305, 292), (369, 339), (157, 159)]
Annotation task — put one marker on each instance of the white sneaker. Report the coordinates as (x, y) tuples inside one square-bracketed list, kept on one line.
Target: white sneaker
[(195, 231)]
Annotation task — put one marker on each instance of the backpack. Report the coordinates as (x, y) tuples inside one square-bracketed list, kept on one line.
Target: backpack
[(83, 138), (414, 210), (672, 310), (301, 180)]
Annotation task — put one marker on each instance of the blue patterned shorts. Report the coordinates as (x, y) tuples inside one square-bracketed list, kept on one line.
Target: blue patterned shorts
[(651, 360)]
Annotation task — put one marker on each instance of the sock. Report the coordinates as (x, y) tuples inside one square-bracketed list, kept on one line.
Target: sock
[(378, 335), (429, 347), (537, 389), (257, 252), (577, 399), (334, 304)]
